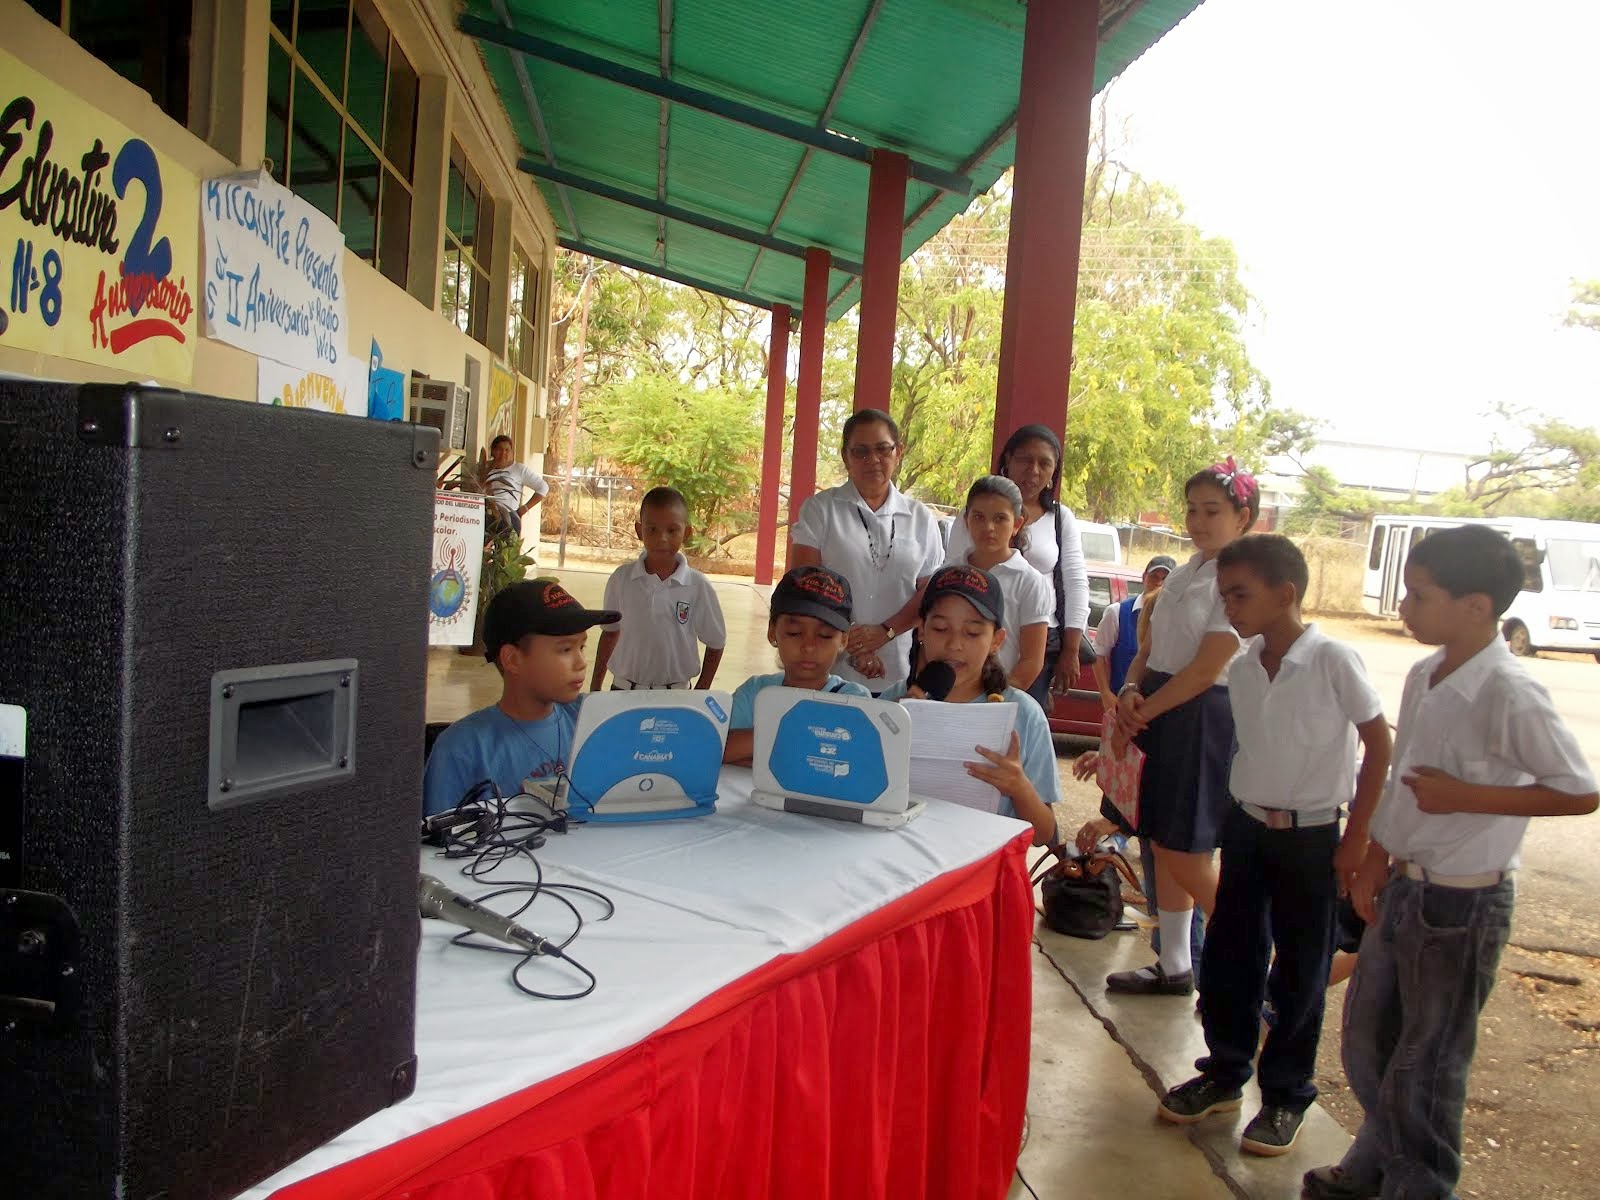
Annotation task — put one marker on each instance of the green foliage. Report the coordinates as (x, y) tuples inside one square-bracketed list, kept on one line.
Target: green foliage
[(1585, 310), (703, 441), (1324, 507)]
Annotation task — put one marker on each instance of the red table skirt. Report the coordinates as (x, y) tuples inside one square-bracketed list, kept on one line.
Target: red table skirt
[(890, 1060)]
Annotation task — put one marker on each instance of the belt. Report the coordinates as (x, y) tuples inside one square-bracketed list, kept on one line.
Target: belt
[(1289, 818), (1421, 874), (619, 684)]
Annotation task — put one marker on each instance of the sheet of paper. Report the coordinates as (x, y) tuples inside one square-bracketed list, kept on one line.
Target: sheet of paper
[(942, 740)]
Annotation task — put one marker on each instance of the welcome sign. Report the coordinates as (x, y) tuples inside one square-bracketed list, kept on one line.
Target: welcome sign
[(97, 235), (274, 274)]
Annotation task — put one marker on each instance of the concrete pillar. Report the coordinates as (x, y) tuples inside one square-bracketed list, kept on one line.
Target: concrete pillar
[(880, 280), (499, 279), (772, 443), (429, 179), (1053, 113), (236, 83), (808, 384)]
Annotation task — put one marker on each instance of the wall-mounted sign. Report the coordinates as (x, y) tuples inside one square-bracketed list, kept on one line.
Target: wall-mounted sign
[(274, 274), (97, 235)]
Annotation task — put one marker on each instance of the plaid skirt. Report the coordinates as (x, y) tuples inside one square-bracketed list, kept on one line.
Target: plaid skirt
[(1183, 793)]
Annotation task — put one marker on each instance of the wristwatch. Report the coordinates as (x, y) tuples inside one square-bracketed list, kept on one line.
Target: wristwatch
[(888, 630)]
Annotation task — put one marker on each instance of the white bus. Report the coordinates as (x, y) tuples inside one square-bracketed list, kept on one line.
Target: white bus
[(1559, 605)]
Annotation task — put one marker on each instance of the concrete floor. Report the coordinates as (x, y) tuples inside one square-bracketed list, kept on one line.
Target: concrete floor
[(1099, 1062)]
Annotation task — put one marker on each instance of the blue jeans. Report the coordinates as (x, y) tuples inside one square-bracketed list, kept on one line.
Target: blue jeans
[(1410, 1027)]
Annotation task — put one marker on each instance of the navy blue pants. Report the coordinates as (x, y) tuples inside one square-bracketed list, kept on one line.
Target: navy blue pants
[(1276, 892)]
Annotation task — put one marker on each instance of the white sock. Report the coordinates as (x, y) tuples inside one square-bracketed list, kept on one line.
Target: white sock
[(1174, 924)]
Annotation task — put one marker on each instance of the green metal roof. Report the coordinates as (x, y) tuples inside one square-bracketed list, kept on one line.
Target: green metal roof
[(936, 80)]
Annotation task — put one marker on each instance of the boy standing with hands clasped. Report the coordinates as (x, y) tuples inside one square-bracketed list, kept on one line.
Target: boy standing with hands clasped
[(1299, 702), (1479, 750), (668, 608)]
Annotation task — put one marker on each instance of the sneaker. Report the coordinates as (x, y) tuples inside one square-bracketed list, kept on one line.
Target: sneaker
[(1272, 1131), (1197, 1099), (1150, 981), (1333, 1183)]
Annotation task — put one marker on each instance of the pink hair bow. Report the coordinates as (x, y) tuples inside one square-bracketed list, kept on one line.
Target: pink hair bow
[(1240, 483)]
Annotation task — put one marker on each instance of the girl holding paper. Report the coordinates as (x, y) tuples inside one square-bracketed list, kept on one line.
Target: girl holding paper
[(962, 624)]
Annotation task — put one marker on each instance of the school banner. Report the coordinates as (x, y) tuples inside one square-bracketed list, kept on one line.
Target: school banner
[(457, 568), (502, 402), (344, 391), (97, 235), (274, 272)]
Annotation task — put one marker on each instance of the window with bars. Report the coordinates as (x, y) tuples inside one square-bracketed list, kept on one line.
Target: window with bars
[(144, 41), (468, 248), (342, 122), (524, 343)]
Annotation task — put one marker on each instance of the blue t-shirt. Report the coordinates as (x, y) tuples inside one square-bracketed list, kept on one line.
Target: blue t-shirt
[(1033, 741), (743, 715), (488, 744)]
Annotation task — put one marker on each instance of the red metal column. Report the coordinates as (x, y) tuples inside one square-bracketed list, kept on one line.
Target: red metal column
[(880, 279), (1058, 51), (772, 446), (808, 386)]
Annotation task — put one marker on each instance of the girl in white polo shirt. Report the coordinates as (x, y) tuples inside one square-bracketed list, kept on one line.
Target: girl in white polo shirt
[(993, 519), (1175, 704)]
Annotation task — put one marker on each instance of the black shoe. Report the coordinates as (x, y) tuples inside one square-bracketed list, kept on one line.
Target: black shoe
[(1332, 1183), (1197, 1099), (1272, 1131), (1150, 981)]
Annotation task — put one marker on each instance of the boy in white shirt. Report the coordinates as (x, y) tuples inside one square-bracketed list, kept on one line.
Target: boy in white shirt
[(668, 608), (1479, 750), (1299, 702)]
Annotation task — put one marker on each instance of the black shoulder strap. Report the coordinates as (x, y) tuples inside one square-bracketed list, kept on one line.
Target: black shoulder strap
[(1055, 578)]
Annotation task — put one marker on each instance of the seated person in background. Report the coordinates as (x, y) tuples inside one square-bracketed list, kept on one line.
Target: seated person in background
[(810, 615), (533, 632), (503, 482)]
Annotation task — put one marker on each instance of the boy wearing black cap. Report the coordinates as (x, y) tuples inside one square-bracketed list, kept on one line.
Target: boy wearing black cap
[(533, 632), (810, 615)]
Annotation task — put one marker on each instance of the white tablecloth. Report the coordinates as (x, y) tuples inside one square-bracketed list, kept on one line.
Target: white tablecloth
[(699, 903)]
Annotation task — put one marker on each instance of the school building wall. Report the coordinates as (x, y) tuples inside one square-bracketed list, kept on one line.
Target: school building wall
[(226, 132)]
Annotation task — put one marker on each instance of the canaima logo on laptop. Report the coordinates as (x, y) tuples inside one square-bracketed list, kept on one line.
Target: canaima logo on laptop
[(652, 756), (824, 734)]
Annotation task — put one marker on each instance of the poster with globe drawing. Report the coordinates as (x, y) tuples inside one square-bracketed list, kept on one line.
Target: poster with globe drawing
[(457, 567)]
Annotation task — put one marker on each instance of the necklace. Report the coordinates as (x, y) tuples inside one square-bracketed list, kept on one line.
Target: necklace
[(872, 541), (558, 760)]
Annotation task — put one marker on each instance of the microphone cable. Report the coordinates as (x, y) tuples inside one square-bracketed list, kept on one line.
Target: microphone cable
[(491, 835)]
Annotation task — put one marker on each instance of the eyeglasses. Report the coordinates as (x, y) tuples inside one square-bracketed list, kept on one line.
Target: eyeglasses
[(861, 452)]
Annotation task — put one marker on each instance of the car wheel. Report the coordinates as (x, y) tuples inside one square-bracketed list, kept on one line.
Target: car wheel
[(1516, 634)]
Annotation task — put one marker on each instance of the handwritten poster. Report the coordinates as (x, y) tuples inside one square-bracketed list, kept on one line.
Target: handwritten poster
[(274, 274), (97, 235), (502, 406), (457, 568), (343, 391), (386, 389)]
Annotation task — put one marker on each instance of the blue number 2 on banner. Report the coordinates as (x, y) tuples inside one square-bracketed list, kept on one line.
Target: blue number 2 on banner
[(136, 161)]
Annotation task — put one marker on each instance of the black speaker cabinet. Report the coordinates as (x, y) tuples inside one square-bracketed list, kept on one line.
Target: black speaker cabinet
[(213, 638)]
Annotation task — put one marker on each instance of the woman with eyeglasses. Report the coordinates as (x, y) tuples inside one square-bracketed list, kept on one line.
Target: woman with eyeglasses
[(1031, 459), (882, 541)]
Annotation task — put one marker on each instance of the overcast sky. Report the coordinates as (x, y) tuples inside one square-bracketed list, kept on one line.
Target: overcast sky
[(1411, 185)]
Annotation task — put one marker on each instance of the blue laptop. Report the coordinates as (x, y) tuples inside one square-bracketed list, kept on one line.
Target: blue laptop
[(646, 755)]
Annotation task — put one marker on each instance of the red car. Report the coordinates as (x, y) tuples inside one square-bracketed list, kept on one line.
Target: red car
[(1079, 712)]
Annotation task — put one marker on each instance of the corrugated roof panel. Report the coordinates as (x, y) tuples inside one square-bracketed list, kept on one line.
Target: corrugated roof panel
[(935, 78)]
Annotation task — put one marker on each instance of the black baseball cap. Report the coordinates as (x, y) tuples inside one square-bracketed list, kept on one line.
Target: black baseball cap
[(974, 585), (813, 592), (540, 606), (1161, 562)]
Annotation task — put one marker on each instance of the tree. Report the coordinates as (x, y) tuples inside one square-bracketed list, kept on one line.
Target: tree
[(703, 441), (1585, 310), (1556, 458)]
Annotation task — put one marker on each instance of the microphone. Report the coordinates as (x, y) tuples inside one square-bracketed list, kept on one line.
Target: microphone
[(937, 679), (434, 899)]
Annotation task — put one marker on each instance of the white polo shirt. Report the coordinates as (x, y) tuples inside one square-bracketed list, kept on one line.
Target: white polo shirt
[(504, 485), (1064, 570), (1110, 627), (663, 622), (1030, 600), (1488, 722), (1297, 733), (1190, 607), (837, 523)]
